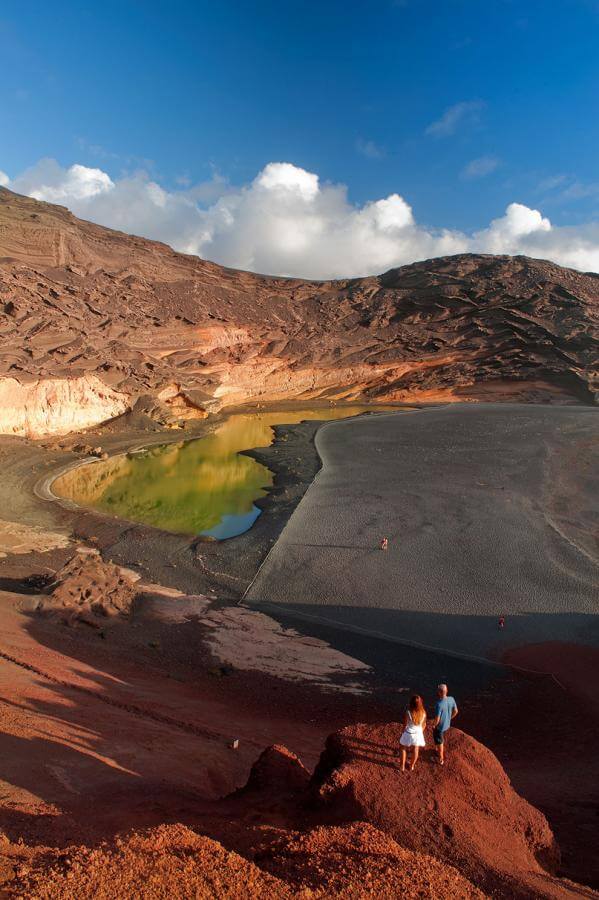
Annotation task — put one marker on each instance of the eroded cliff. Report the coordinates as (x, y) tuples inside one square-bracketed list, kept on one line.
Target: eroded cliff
[(93, 321)]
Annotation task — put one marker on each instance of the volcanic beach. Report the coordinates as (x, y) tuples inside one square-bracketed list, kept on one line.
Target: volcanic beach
[(159, 681), (484, 494), (160, 688)]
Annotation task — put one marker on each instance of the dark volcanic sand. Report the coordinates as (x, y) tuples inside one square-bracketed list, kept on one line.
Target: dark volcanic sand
[(477, 502)]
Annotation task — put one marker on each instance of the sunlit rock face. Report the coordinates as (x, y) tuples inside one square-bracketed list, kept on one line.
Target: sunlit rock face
[(57, 405), (79, 302)]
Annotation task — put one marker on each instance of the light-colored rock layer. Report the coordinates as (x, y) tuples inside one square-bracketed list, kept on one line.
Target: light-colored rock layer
[(17, 538), (57, 405)]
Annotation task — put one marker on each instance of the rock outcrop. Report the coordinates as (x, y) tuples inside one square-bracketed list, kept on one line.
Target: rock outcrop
[(93, 322), (57, 405), (465, 813), (89, 589), (359, 828)]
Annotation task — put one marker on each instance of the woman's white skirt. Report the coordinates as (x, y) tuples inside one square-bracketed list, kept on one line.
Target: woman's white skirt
[(412, 736)]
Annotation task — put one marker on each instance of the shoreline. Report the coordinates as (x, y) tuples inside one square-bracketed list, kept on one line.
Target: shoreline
[(225, 567)]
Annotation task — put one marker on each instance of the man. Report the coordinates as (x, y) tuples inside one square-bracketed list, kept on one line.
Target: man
[(445, 710)]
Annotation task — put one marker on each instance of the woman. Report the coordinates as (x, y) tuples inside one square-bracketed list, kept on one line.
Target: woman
[(414, 723)]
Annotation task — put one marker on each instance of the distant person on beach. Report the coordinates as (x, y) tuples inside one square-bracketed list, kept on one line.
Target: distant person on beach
[(445, 711), (414, 723), (385, 544), (501, 622)]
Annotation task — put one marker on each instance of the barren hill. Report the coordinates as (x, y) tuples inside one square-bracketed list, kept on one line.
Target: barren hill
[(93, 321)]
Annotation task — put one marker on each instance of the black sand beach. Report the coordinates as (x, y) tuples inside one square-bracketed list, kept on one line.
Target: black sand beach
[(476, 502)]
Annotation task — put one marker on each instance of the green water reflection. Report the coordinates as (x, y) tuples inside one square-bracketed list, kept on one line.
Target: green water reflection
[(202, 486)]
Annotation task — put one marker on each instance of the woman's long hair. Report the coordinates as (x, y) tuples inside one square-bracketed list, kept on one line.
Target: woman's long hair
[(417, 710)]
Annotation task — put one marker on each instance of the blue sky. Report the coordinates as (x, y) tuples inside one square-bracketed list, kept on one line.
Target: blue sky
[(350, 91)]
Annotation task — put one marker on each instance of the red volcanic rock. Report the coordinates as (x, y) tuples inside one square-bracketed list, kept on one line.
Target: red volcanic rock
[(277, 771), (92, 320), (360, 829), (89, 588), (173, 861), (170, 861), (358, 861), (465, 813)]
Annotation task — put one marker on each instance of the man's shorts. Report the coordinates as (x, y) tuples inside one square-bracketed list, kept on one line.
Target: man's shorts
[(438, 736)]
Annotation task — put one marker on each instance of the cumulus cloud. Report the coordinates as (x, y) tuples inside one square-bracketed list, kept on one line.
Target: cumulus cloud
[(4, 179), (504, 235), (287, 222), (478, 168), (453, 117), (48, 181)]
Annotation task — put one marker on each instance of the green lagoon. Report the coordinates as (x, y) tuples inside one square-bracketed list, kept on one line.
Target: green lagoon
[(203, 486)]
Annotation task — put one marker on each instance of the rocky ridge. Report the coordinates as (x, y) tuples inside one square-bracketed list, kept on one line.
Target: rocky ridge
[(357, 828), (94, 323)]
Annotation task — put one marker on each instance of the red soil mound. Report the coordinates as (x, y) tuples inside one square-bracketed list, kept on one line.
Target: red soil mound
[(277, 771), (466, 813), (358, 829), (172, 861), (166, 862), (360, 861)]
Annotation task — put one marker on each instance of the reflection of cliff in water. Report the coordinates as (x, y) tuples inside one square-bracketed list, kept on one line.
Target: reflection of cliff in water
[(198, 487), (176, 488), (86, 484)]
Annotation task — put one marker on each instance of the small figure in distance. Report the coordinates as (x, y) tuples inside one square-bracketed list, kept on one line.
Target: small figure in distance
[(414, 723), (384, 544), (501, 622), (445, 711)]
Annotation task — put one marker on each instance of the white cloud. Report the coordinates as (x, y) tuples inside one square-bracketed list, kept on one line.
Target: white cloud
[(4, 179), (505, 235), (458, 114), (369, 149), (478, 168), (287, 222), (49, 181), (288, 181)]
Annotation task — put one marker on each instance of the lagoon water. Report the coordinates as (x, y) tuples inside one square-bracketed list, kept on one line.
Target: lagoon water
[(203, 486)]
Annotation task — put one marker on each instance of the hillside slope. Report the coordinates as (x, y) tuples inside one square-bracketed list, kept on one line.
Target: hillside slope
[(92, 320)]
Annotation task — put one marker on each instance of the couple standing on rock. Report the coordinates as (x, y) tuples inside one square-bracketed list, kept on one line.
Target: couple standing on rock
[(414, 723)]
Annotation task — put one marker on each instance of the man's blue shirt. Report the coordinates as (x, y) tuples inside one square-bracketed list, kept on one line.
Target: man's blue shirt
[(443, 710)]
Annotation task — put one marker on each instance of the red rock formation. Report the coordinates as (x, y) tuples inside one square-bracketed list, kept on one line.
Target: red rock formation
[(91, 320), (87, 588), (465, 813), (360, 829), (276, 772), (173, 861)]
